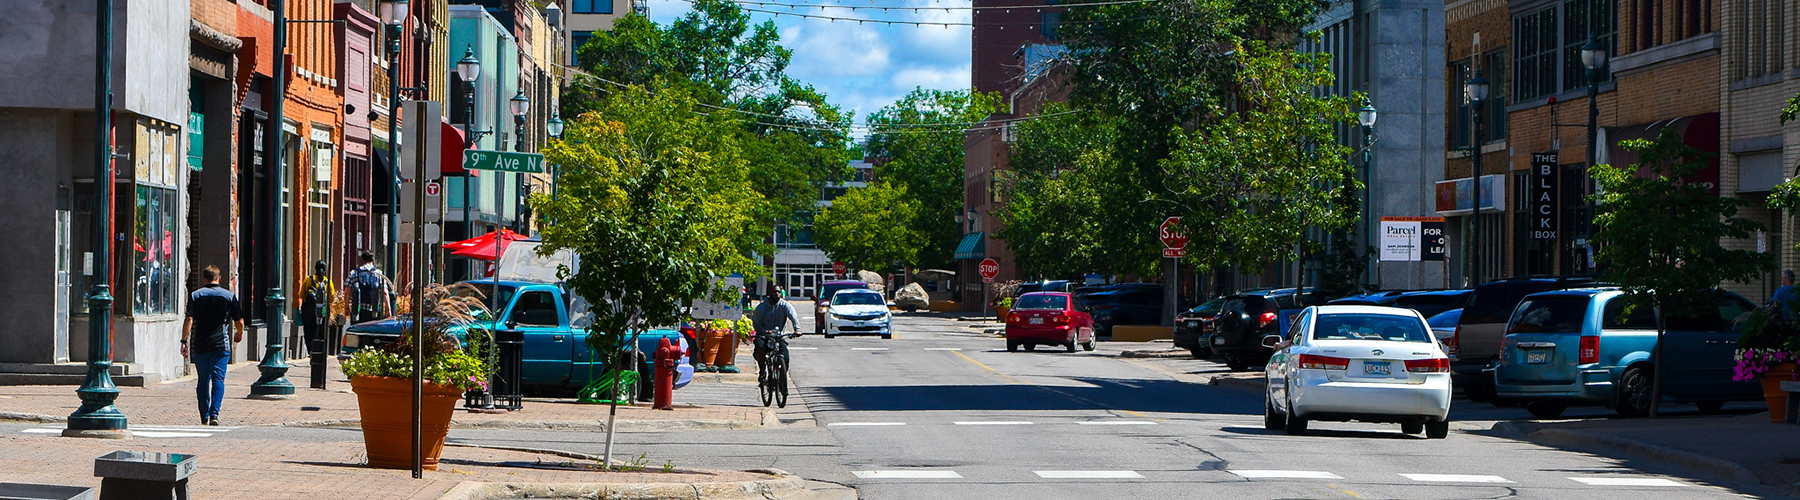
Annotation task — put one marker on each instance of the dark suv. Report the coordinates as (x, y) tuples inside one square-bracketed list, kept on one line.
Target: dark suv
[(1238, 330), (1475, 346), (1193, 325)]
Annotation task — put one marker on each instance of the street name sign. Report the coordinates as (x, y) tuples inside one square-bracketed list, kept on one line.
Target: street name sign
[(530, 163)]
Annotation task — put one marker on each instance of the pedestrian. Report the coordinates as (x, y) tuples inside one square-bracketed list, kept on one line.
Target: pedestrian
[(1785, 297), (211, 310), (316, 292), (371, 294)]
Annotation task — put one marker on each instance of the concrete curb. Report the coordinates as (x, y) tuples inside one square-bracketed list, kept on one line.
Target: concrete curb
[(565, 425), (10, 416), (1244, 384), (1166, 354), (784, 485), (1710, 467)]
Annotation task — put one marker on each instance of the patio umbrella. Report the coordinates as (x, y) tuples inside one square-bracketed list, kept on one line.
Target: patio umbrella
[(482, 247)]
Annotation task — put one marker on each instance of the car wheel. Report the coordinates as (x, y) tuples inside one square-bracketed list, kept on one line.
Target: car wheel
[(1479, 391), (830, 336), (1030, 347), (1071, 344), (1546, 409), (1295, 425), (1633, 392), (1201, 353), (1012, 346), (1089, 345), (1437, 430), (886, 336), (1412, 427), (1271, 420), (1235, 364), (1710, 406)]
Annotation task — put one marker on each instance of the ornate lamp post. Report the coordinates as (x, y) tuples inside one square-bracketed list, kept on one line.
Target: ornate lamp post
[(1593, 58), (1366, 116), (520, 106), (469, 71), (273, 383), (555, 128), (1477, 92), (97, 416), (393, 13)]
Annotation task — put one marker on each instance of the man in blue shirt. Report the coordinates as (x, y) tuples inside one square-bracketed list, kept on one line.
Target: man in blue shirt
[(1786, 295), (211, 310)]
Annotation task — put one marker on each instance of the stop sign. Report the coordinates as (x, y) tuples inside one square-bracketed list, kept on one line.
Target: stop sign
[(1170, 237), (989, 269), (839, 267)]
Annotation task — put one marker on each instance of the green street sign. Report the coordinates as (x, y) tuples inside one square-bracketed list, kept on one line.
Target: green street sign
[(530, 163)]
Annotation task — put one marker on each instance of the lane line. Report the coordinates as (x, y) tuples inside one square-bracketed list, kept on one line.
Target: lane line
[(863, 424), (943, 348), (183, 428), (907, 474), (995, 422), (1455, 478), (1625, 481), (1010, 378), (868, 348), (1342, 490), (1284, 474), (165, 434), (1117, 422), (1088, 474)]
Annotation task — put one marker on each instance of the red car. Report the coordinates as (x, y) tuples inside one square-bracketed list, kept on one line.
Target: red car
[(1054, 318)]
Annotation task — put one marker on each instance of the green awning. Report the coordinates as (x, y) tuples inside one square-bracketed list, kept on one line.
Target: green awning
[(971, 247)]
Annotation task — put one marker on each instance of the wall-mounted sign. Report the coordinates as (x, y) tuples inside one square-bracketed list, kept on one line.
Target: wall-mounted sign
[(1543, 196), (1457, 197), (1412, 239)]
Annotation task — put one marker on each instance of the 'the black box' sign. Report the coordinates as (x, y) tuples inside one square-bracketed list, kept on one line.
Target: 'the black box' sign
[(1543, 196)]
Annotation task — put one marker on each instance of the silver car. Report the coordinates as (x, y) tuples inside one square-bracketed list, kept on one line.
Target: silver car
[(1361, 363)]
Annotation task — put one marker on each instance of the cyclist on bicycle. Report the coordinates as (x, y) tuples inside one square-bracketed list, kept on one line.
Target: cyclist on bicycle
[(768, 319)]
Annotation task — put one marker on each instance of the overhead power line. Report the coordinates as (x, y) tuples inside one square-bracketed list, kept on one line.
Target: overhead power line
[(854, 8), (945, 24)]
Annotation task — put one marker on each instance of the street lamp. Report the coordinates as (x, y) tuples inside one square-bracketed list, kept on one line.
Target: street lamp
[(97, 416), (555, 128), (1593, 58), (1366, 116), (1477, 92), (469, 70), (520, 106), (393, 13)]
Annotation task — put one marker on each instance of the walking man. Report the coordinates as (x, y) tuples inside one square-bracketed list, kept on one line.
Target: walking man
[(211, 310), (1786, 295), (371, 294)]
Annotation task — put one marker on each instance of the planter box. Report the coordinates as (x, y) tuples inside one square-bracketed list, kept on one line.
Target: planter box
[(1142, 333), (944, 306)]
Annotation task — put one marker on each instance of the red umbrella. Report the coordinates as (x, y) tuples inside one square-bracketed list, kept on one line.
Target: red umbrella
[(483, 247)]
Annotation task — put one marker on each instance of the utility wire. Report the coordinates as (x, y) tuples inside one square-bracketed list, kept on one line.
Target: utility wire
[(854, 8), (945, 24)]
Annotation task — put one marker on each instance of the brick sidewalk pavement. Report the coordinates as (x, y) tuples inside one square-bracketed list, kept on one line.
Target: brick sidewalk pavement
[(723, 404)]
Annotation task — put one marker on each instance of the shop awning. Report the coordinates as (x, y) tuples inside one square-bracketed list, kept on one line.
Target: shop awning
[(453, 151), (971, 247), (1699, 131)]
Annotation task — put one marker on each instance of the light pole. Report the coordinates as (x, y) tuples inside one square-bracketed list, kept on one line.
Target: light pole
[(273, 383), (1477, 92), (1593, 58), (393, 12), (469, 71), (97, 416), (555, 128), (1366, 116), (520, 106)]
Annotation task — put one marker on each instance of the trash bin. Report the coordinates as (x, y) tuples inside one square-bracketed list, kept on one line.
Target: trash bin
[(505, 385)]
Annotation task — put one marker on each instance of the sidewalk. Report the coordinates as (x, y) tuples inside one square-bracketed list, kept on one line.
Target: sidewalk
[(708, 402), (1743, 451)]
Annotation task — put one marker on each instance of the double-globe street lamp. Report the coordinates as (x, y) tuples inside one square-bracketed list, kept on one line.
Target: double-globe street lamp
[(520, 106), (1366, 116), (1476, 90), (469, 71), (1593, 58)]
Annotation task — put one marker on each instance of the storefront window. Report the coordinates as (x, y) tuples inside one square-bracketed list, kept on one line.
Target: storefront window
[(155, 282)]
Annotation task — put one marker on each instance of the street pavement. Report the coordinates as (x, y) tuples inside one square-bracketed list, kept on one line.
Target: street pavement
[(941, 411)]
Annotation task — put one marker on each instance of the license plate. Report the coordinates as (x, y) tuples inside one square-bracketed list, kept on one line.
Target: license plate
[(1378, 368), (1537, 357), (1037, 321), (859, 323), (1193, 324)]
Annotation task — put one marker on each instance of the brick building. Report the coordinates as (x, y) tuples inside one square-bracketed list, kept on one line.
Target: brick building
[(1757, 60)]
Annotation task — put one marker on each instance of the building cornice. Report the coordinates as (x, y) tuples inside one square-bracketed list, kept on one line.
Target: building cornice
[(213, 38)]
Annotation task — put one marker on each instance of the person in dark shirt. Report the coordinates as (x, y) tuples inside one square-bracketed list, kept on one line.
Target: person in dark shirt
[(211, 310)]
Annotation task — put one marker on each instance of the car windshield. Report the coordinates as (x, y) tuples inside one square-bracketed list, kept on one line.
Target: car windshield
[(857, 299), (1389, 327), (830, 290), (1550, 314), (1057, 302), (1447, 319), (1210, 307), (485, 289)]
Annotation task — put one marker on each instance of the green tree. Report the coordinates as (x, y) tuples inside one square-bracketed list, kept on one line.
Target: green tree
[(1061, 191), (868, 228), (655, 202), (920, 137), (1660, 235)]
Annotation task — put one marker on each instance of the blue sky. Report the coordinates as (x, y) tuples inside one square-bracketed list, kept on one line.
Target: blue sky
[(862, 67)]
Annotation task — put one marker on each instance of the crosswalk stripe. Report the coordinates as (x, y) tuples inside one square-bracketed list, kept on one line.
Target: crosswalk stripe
[(1088, 474), (1455, 478), (868, 348), (863, 424), (907, 474), (184, 428), (995, 422), (1117, 422), (137, 432), (1625, 481), (1284, 474), (943, 349)]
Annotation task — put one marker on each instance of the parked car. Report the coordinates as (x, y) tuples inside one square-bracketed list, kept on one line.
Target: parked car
[(1044, 286), (1126, 307), (1242, 322), (858, 312), (1443, 326), (1586, 347), (1049, 318), (1482, 327), (1430, 303), (1362, 363), (1192, 326), (823, 301), (1383, 298)]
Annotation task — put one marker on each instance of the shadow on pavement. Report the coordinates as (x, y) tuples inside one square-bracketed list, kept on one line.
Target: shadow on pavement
[(1322, 433), (1150, 396)]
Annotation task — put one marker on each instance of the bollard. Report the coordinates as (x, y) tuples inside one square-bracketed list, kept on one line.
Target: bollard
[(666, 357)]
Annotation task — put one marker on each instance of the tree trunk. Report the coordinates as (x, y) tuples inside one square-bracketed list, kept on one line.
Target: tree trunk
[(1656, 361)]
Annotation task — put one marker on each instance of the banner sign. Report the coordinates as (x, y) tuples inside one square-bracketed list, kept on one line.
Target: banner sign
[(1543, 196), (1412, 239)]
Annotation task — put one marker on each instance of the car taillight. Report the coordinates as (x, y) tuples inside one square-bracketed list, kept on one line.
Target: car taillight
[(1012, 318), (1433, 365), (1059, 319), (1318, 362), (1589, 350), (1451, 345), (1267, 317)]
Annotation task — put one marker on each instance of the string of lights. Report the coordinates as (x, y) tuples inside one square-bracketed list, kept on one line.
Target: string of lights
[(854, 8), (945, 24)]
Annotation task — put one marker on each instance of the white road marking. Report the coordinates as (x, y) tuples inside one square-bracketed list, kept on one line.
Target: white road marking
[(868, 348), (863, 424), (1284, 474), (1088, 474), (183, 428), (1625, 481), (1117, 422), (907, 474), (803, 348), (995, 422), (943, 348), (41, 431), (134, 432), (1455, 478)]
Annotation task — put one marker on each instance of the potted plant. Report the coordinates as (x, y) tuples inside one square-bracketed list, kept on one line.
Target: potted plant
[(1767, 351), (382, 379), (1001, 308)]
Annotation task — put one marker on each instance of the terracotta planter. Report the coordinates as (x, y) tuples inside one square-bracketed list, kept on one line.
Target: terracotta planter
[(1772, 393), (716, 340), (727, 355), (386, 407)]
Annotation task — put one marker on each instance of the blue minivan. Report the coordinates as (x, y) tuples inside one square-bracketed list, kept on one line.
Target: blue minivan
[(1581, 347)]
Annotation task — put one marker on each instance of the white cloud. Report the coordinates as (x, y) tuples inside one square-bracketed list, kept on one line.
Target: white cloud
[(823, 50)]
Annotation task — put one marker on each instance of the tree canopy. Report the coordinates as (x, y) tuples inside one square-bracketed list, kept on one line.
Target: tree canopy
[(870, 228), (918, 142)]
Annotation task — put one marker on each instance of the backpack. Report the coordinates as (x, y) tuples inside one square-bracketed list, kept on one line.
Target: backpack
[(312, 306), (365, 287)]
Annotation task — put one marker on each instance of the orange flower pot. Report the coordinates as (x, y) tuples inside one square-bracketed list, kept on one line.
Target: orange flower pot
[(1772, 393), (386, 407), (727, 355), (715, 340)]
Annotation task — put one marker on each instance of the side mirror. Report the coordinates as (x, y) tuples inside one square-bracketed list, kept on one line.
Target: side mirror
[(512, 325), (1270, 341)]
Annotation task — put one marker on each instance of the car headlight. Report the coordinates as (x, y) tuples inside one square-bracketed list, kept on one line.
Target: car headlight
[(351, 341)]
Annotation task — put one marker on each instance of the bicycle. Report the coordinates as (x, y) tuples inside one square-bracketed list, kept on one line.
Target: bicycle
[(772, 369)]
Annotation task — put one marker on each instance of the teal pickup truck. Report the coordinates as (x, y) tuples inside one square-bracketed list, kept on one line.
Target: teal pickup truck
[(553, 320)]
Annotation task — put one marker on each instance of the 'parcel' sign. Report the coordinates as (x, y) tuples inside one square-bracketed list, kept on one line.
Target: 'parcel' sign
[(530, 163)]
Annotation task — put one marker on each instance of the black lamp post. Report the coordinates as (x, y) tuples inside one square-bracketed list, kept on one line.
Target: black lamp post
[(1366, 116), (469, 71), (273, 383), (393, 13), (520, 106), (555, 128), (1593, 58), (97, 416), (1477, 92)]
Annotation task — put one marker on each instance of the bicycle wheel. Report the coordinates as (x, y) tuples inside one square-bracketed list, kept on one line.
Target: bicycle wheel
[(765, 386), (781, 383)]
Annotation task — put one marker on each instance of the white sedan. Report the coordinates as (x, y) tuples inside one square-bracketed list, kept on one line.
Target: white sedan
[(1362, 363), (855, 312)]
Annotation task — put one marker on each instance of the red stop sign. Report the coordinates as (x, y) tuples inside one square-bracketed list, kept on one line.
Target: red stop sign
[(1170, 237), (989, 269), (839, 267)]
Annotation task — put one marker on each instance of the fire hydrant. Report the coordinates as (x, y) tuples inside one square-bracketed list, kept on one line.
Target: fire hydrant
[(666, 357)]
